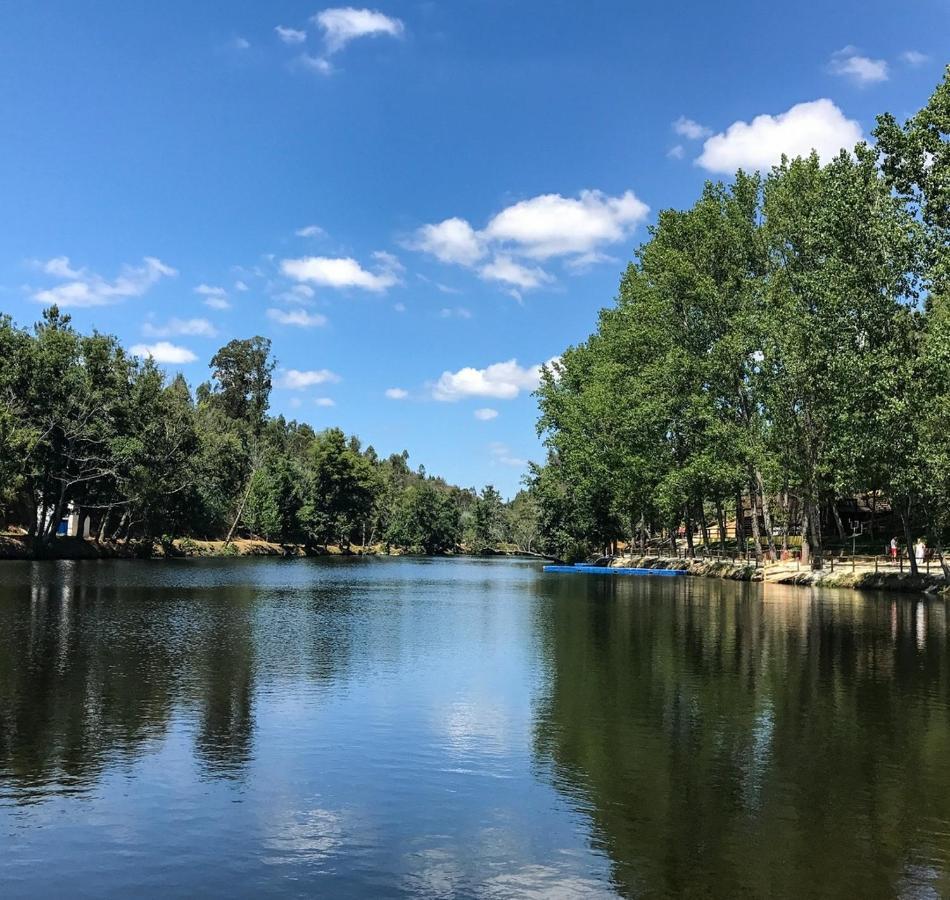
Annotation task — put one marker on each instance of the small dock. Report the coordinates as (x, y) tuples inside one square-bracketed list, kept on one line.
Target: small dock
[(607, 570)]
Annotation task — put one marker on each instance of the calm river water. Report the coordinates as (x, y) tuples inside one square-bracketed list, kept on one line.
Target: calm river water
[(464, 728)]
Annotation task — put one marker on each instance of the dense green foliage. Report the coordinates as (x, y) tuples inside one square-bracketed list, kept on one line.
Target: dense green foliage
[(84, 423), (782, 344)]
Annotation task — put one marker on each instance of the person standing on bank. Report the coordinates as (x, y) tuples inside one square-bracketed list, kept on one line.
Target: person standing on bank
[(893, 549), (920, 550)]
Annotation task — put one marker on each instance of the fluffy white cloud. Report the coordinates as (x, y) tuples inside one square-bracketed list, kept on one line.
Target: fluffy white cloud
[(341, 273), (343, 24), (324, 401), (677, 151), (485, 414), (299, 317), (691, 130), (290, 35), (540, 228), (164, 352), (310, 231), (506, 270), (190, 327), (241, 286), (552, 225), (862, 70), (81, 287), (759, 144), (503, 381), (450, 241), (297, 380), (397, 393)]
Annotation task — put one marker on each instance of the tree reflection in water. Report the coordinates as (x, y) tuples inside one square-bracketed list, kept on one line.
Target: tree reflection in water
[(730, 742)]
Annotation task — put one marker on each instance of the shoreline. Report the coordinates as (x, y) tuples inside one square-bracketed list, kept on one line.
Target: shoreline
[(779, 573), (19, 547)]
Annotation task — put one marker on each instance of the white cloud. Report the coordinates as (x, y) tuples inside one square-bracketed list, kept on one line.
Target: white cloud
[(399, 307), (503, 381), (340, 273), (690, 130), (538, 228), (450, 241), (397, 393), (457, 312), (297, 380), (552, 225), (164, 352), (485, 414), (914, 57), (84, 288), (501, 454), (215, 297), (759, 144), (241, 43), (862, 70), (344, 24), (315, 63), (506, 270), (310, 231), (290, 35), (324, 401), (677, 151), (241, 286), (299, 317), (190, 327)]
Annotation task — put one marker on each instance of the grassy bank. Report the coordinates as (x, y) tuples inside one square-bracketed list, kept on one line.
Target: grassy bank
[(865, 579)]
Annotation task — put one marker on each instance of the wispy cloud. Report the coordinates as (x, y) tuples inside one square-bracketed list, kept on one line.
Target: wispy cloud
[(396, 393), (690, 129), (485, 414), (290, 35), (310, 231), (299, 380), (83, 288), (914, 58), (215, 297), (500, 453), (180, 327), (297, 317)]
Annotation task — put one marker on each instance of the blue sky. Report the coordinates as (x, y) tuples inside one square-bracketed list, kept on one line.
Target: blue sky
[(418, 202)]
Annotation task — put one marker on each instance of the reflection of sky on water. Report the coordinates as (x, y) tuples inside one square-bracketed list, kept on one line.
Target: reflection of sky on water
[(462, 728)]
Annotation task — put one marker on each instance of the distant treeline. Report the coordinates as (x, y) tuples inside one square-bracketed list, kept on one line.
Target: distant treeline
[(83, 422), (784, 342)]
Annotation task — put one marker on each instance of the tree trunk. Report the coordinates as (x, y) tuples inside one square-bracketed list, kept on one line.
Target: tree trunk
[(838, 523), (806, 547), (766, 514), (704, 526), (872, 522), (689, 534), (740, 524), (103, 526), (721, 522), (814, 521), (756, 536), (240, 511)]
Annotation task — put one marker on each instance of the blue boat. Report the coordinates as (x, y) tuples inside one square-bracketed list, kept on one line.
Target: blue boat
[(605, 570)]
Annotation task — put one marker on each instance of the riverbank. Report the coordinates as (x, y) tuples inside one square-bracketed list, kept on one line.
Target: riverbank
[(18, 546), (21, 547), (863, 578)]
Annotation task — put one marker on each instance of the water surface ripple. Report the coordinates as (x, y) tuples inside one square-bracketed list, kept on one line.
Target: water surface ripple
[(464, 728)]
